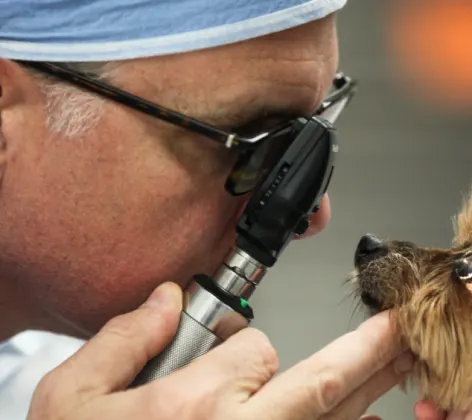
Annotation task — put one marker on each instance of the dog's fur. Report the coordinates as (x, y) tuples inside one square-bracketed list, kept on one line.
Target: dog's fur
[(430, 293)]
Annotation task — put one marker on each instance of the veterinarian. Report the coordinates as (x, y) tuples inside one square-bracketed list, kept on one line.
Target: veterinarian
[(104, 208)]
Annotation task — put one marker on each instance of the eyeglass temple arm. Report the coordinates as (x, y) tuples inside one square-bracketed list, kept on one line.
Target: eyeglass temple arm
[(334, 104)]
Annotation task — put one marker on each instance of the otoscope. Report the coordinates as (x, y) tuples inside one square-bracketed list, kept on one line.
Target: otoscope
[(216, 307)]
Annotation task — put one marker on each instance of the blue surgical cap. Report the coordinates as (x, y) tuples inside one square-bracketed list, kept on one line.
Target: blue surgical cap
[(98, 30)]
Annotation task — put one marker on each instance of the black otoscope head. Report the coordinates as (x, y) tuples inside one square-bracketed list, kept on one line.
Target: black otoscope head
[(290, 194), (283, 202)]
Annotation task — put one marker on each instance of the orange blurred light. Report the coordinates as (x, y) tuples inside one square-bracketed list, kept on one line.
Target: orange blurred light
[(431, 43)]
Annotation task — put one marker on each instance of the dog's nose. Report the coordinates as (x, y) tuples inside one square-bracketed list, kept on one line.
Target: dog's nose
[(368, 246)]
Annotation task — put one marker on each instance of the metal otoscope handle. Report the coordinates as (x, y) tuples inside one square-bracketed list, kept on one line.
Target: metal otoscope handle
[(214, 309)]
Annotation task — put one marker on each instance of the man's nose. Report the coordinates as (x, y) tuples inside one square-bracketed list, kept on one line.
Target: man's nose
[(368, 247)]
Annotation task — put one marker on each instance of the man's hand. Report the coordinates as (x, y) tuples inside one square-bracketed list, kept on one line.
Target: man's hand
[(235, 381)]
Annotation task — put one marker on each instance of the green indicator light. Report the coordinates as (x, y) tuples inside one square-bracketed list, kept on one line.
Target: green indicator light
[(244, 303)]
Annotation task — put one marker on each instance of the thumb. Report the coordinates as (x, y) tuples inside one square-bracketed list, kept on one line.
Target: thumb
[(120, 350)]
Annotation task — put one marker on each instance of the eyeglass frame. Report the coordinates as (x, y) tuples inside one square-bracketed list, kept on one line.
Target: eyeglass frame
[(335, 102), (344, 85)]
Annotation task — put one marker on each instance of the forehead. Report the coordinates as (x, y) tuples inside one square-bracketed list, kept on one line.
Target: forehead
[(288, 70)]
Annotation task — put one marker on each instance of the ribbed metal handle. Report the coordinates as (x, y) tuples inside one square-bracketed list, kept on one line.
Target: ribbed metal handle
[(191, 341), (211, 314)]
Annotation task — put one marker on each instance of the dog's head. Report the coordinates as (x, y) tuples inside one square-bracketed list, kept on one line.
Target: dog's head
[(430, 293)]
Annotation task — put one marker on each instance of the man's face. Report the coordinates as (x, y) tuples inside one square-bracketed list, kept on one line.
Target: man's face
[(90, 226)]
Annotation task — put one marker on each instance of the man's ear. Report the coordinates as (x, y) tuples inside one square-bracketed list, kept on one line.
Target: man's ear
[(18, 93), (16, 85)]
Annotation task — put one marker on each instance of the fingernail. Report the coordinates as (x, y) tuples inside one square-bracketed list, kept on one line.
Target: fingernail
[(167, 294), (404, 363)]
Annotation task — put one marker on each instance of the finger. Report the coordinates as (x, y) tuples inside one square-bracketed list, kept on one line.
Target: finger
[(319, 220), (113, 358), (356, 404), (237, 368), (427, 410), (322, 381), (370, 417)]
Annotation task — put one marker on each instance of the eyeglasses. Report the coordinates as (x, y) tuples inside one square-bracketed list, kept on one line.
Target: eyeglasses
[(256, 154)]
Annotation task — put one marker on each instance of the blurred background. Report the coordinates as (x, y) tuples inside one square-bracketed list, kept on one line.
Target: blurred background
[(405, 150), (404, 166)]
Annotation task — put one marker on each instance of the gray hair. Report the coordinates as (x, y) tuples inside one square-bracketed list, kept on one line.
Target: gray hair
[(70, 111)]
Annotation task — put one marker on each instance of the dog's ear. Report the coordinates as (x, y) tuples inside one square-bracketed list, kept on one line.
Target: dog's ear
[(463, 224)]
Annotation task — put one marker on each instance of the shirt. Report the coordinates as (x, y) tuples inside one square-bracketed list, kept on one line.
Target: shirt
[(24, 360)]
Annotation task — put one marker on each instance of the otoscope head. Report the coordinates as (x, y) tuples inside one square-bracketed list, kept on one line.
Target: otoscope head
[(290, 194), (283, 202)]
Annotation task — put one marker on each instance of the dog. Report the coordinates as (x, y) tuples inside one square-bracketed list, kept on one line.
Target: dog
[(429, 293)]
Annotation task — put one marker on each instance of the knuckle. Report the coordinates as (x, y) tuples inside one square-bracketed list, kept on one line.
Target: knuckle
[(264, 349), (48, 384), (124, 332), (46, 397), (123, 327), (327, 391)]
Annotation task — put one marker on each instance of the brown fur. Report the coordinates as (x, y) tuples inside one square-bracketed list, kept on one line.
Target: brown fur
[(432, 308)]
